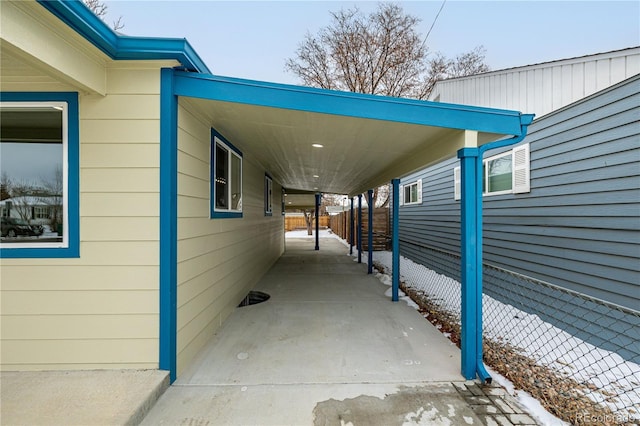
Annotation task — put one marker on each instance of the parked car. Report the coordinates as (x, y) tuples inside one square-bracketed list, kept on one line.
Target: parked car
[(11, 227)]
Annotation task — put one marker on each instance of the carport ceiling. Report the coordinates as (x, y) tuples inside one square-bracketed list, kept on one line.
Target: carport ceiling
[(366, 140), (354, 150)]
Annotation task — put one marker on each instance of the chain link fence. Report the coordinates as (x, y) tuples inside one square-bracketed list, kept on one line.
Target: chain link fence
[(576, 355)]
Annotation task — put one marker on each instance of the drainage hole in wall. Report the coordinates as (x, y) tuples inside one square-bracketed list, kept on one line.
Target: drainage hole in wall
[(253, 298)]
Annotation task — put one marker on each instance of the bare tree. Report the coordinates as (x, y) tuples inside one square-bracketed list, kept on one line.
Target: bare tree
[(382, 54), (99, 8), (21, 196), (52, 197), (309, 215)]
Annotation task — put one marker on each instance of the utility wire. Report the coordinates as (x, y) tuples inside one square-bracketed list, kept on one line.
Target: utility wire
[(433, 23)]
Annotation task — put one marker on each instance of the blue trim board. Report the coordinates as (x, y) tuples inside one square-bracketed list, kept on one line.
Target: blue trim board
[(395, 240), (168, 223), (471, 160), (73, 173), (359, 228), (350, 104), (119, 47), (370, 231), (317, 221), (351, 228)]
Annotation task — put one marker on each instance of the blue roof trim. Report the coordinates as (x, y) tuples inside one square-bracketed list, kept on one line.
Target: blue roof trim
[(463, 117), (119, 47)]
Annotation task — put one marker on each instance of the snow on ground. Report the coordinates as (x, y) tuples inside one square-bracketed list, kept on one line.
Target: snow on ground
[(302, 233), (538, 339)]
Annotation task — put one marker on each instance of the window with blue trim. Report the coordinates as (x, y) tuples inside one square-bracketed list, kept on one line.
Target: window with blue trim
[(39, 180), (268, 195), (226, 178)]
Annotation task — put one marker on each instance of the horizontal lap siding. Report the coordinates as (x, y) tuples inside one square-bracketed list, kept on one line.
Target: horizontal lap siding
[(577, 229), (99, 310), (219, 260), (579, 226)]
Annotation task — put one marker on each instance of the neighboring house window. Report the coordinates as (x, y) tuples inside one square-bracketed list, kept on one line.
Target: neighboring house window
[(505, 173), (40, 212), (268, 195), (411, 193), (226, 178), (39, 181)]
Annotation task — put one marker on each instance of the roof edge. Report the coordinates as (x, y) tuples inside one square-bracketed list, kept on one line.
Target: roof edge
[(619, 52), (77, 16)]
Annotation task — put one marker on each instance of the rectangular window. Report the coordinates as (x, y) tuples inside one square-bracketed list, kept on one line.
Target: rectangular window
[(497, 174), (282, 197), (505, 173), (39, 180), (226, 177), (411, 193), (268, 195)]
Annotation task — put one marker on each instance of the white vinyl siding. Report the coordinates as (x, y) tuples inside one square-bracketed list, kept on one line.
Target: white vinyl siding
[(542, 88)]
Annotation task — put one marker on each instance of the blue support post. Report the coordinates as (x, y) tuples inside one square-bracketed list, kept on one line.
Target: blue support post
[(370, 231), (351, 233), (359, 228), (395, 240), (470, 255), (318, 221)]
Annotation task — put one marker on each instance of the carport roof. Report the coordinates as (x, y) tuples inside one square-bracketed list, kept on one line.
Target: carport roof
[(367, 140)]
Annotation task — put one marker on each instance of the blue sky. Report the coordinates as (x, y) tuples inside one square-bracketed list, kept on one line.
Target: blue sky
[(252, 39)]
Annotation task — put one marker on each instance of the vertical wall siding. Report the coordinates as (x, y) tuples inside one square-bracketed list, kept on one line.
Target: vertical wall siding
[(541, 88), (219, 260), (578, 228), (99, 310)]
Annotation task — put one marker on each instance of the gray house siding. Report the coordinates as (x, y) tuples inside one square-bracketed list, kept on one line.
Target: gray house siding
[(578, 228)]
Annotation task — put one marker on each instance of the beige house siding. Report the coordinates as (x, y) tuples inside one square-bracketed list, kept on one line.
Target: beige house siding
[(99, 310), (219, 260)]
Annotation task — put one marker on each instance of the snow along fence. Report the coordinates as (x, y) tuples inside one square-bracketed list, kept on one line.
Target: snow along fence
[(577, 355)]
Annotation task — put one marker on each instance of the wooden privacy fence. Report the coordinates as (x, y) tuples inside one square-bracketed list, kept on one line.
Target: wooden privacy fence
[(340, 226), (298, 222)]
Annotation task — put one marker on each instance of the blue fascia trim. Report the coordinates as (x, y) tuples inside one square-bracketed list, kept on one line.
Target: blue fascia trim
[(395, 241), (357, 105), (213, 213), (73, 173), (118, 47), (168, 223)]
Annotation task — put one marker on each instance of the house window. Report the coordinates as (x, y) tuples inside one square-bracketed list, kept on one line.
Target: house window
[(505, 173), (41, 212), (411, 193), (268, 195), (226, 178), (282, 198), (39, 180)]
